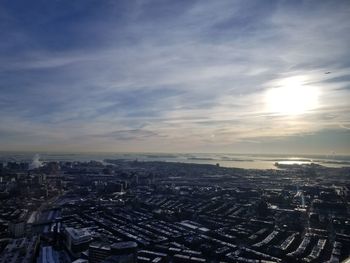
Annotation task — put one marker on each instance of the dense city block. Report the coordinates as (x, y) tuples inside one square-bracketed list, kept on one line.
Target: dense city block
[(135, 211)]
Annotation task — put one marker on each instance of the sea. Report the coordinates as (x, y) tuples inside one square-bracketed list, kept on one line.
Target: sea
[(246, 161)]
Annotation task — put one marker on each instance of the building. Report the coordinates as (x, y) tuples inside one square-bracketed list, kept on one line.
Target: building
[(99, 252), (20, 250), (17, 229), (48, 255), (121, 252), (31, 220), (77, 240)]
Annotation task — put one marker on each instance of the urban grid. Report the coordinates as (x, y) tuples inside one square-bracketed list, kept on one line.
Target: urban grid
[(136, 211)]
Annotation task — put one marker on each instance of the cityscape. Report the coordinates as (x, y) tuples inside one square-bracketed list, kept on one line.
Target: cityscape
[(174, 131), (155, 211)]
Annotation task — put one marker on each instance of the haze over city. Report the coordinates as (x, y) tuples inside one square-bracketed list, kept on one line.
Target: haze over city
[(175, 76)]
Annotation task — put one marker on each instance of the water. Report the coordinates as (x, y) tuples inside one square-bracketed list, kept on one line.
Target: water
[(247, 161)]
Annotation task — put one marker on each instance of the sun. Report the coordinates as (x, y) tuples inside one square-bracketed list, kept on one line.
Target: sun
[(291, 96)]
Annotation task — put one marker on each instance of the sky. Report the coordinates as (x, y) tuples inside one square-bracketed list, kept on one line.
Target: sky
[(231, 76)]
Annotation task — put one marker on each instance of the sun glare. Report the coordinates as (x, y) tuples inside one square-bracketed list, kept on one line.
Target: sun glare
[(291, 96)]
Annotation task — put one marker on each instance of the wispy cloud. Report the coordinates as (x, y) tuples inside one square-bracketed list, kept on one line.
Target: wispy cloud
[(178, 75)]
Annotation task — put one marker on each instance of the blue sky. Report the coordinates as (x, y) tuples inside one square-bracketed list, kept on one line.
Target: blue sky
[(175, 76)]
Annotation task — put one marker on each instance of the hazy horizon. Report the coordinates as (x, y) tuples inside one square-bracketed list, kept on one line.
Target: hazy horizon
[(289, 155), (235, 77)]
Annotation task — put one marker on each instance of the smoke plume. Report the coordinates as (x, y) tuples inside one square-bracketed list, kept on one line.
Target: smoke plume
[(36, 163)]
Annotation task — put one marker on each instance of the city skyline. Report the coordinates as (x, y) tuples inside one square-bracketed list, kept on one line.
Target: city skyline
[(175, 76)]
